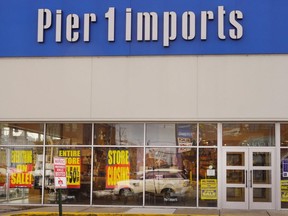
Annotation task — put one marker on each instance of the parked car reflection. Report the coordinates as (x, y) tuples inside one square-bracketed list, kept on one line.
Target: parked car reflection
[(169, 183)]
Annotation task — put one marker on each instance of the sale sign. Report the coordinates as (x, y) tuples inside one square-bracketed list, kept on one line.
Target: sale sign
[(118, 167), (60, 172), (21, 168), (73, 166)]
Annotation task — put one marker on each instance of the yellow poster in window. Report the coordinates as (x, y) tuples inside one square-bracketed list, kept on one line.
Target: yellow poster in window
[(284, 190), (117, 168), (21, 168), (73, 166), (209, 189)]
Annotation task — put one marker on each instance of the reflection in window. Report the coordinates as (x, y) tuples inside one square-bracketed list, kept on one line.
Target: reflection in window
[(69, 134), (20, 175), (21, 134), (171, 176), (207, 134), (171, 134), (284, 135), (261, 159), (243, 134), (235, 159), (119, 134), (78, 175), (284, 177), (118, 176), (208, 183)]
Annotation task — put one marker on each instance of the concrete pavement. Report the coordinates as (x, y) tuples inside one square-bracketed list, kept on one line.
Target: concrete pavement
[(132, 211)]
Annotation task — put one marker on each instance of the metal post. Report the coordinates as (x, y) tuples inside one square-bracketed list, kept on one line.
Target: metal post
[(60, 202)]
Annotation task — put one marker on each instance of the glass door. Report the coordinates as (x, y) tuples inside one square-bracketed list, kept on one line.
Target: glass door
[(248, 178)]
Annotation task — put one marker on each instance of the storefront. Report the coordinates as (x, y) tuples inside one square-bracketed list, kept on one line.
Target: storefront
[(226, 165), (150, 103)]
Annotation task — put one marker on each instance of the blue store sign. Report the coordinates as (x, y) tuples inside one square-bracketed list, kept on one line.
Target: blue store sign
[(142, 27)]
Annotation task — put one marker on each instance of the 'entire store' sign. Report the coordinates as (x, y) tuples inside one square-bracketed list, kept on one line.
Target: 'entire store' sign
[(142, 27)]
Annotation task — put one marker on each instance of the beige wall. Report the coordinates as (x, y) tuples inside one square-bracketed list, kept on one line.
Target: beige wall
[(235, 87)]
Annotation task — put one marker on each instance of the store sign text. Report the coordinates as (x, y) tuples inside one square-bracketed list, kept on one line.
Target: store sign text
[(142, 27), (117, 168), (147, 25)]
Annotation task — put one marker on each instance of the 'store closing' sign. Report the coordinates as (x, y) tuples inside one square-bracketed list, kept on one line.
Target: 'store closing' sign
[(60, 172)]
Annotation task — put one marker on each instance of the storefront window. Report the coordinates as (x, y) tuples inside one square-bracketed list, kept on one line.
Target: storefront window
[(171, 134), (284, 134), (21, 134), (119, 134), (246, 134), (207, 134), (284, 178), (208, 184), (284, 165), (78, 175), (170, 177), (116, 176), (19, 171), (69, 134)]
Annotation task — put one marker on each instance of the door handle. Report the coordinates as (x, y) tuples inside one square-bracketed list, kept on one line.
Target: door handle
[(251, 179), (246, 182)]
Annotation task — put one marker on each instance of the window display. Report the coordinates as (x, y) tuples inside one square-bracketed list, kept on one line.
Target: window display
[(113, 167), (78, 174), (208, 190), (131, 173), (18, 175)]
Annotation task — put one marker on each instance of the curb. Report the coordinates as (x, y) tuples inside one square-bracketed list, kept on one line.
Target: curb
[(100, 214)]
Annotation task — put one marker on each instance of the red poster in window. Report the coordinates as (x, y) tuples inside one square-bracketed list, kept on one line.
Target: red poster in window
[(21, 176), (21, 168)]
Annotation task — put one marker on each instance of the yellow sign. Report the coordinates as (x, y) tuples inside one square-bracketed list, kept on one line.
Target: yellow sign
[(284, 190), (21, 168), (209, 189), (118, 167), (73, 167)]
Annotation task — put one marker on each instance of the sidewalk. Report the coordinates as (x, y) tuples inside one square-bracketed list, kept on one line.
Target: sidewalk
[(135, 211)]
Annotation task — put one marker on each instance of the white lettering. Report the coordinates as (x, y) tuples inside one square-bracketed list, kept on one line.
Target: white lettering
[(110, 15), (188, 25), (204, 16), (128, 32), (236, 33), (88, 19), (145, 18), (221, 13), (44, 22), (169, 27)]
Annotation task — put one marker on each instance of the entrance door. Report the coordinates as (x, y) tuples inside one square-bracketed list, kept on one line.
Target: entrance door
[(248, 178)]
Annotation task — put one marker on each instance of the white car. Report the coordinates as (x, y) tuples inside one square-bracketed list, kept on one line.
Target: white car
[(168, 182)]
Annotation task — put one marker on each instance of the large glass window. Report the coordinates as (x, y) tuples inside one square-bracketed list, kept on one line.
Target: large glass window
[(69, 134), (119, 134), (20, 168), (208, 183), (284, 165), (248, 134), (170, 177), (21, 134), (208, 134), (116, 176), (164, 171), (78, 175), (284, 135), (167, 134)]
